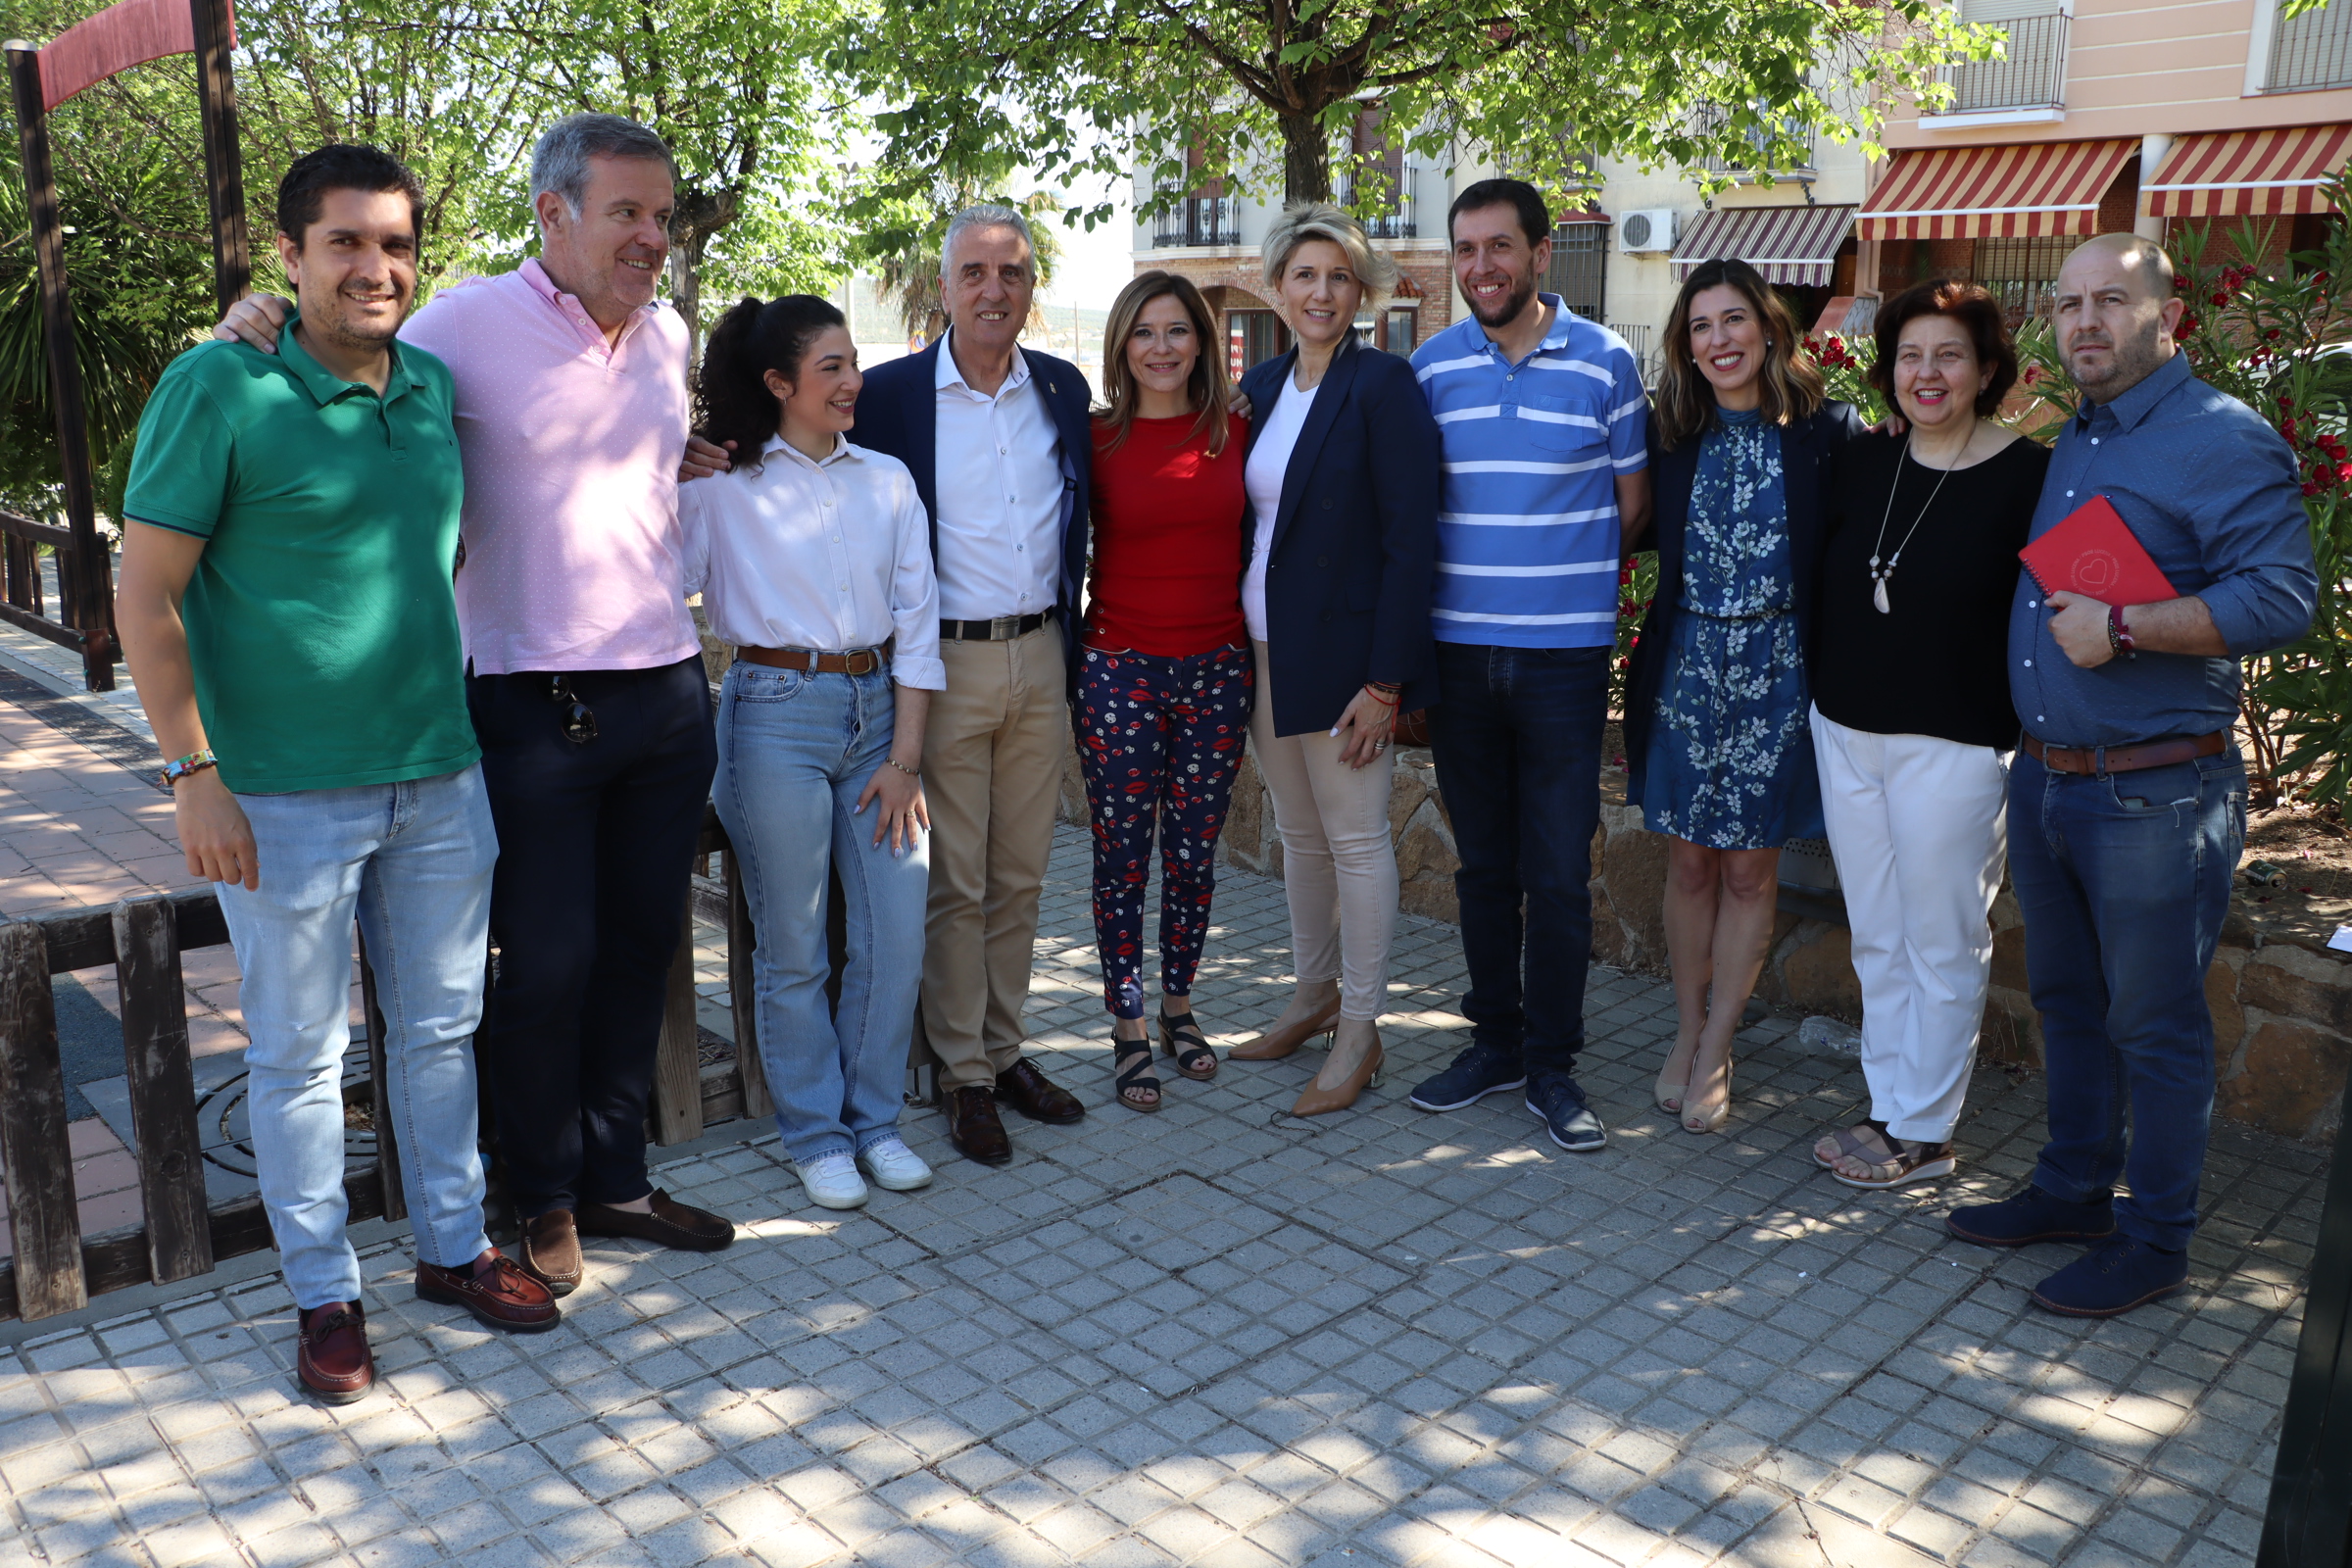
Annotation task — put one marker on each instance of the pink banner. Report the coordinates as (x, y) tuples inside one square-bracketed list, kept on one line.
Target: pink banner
[(125, 35)]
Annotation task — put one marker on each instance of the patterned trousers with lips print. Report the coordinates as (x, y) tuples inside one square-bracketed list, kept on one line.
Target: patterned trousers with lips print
[(1159, 741)]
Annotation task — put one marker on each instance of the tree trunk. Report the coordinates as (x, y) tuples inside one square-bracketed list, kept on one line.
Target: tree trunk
[(1306, 160), (699, 216)]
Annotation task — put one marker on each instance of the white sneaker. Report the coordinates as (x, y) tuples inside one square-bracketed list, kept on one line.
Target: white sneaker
[(894, 1166), (832, 1182)]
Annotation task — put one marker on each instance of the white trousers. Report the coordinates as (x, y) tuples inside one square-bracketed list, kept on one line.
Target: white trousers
[(1338, 866), (1919, 831)]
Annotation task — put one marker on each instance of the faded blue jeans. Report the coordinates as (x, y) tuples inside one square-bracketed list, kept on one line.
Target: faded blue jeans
[(2124, 882), (795, 752), (412, 862)]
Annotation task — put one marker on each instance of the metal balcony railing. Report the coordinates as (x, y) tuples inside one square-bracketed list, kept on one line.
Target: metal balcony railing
[(1394, 182), (2030, 73), (1710, 120), (1200, 221)]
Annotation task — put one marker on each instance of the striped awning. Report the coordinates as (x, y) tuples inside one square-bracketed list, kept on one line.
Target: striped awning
[(1794, 245), (2032, 191), (2248, 173)]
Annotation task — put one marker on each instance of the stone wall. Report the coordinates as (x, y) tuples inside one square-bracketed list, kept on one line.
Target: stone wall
[(2281, 998)]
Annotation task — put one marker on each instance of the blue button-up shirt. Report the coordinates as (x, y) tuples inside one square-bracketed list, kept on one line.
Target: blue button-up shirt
[(2212, 494)]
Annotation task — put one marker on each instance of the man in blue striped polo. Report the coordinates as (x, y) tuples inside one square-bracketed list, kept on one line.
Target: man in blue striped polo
[(1542, 420)]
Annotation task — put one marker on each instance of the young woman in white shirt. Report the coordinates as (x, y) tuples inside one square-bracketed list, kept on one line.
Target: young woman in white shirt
[(813, 560)]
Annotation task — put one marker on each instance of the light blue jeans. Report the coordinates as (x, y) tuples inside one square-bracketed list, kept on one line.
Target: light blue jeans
[(411, 861), (795, 752)]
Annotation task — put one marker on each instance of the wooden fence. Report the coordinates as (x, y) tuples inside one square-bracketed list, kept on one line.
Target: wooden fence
[(183, 1234), (85, 612)]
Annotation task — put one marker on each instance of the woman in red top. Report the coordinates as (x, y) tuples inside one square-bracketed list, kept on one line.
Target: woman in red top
[(1165, 678)]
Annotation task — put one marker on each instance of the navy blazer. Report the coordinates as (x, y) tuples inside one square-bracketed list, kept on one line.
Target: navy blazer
[(897, 413), (1354, 539), (1808, 447)]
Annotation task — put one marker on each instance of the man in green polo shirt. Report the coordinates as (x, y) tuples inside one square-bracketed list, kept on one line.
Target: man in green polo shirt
[(287, 611)]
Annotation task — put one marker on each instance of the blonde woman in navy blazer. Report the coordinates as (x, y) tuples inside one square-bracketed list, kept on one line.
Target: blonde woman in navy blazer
[(1343, 480)]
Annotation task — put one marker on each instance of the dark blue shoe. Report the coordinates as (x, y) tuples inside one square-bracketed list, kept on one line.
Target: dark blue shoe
[(2113, 1278), (1476, 1073), (2032, 1215), (1559, 1103)]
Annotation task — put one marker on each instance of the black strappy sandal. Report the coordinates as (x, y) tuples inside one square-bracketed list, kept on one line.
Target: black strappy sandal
[(1131, 1059), (1189, 1045)]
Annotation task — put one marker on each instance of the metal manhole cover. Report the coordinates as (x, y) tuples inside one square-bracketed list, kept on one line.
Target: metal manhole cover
[(225, 1123)]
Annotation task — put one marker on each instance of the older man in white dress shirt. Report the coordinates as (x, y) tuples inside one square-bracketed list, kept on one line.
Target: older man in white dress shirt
[(997, 438)]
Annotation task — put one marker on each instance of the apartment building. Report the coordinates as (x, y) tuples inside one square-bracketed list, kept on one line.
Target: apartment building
[(2102, 115)]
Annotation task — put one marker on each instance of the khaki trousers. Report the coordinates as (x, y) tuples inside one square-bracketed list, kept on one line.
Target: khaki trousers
[(993, 756)]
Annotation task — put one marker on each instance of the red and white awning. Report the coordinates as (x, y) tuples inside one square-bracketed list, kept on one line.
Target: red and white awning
[(1795, 245), (2032, 191), (2248, 173)]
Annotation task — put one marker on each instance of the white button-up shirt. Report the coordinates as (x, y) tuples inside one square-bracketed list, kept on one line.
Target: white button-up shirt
[(1000, 496), (832, 556)]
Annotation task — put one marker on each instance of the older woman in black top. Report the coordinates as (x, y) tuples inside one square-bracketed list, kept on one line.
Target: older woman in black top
[(1912, 724)]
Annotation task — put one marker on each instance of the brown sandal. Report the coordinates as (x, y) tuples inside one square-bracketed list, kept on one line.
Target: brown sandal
[(1911, 1162)]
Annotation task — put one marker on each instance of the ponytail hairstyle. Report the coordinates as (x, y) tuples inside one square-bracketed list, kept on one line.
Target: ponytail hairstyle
[(1790, 384), (731, 399)]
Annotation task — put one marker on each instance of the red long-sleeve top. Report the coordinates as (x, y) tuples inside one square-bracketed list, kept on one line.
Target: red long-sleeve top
[(1168, 552)]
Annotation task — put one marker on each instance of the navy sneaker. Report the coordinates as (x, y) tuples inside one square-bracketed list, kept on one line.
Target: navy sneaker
[(2032, 1215), (1476, 1073), (1559, 1103), (2113, 1278)]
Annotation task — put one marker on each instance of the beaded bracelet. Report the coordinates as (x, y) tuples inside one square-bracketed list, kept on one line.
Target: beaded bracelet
[(910, 772), (180, 768)]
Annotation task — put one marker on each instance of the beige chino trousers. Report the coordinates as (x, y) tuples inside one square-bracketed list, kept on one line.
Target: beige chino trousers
[(993, 756)]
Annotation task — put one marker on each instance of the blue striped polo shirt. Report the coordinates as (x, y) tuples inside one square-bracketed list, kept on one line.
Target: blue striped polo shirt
[(1527, 540)]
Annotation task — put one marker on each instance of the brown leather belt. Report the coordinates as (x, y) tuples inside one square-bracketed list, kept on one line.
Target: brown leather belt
[(1002, 630), (2098, 760), (863, 661)]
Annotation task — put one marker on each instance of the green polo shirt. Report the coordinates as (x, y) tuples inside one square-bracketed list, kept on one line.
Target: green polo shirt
[(320, 620)]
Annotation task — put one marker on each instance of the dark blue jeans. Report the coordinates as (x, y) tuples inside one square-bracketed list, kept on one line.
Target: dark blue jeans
[(1517, 736), (2124, 882)]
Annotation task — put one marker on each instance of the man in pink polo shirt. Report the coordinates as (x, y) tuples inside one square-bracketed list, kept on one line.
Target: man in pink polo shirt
[(586, 679)]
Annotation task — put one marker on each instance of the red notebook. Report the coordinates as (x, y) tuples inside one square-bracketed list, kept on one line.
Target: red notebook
[(2092, 552)]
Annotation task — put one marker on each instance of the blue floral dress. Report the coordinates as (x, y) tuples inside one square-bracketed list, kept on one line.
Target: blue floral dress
[(1730, 754)]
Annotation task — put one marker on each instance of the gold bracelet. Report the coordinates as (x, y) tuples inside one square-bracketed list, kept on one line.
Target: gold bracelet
[(911, 772)]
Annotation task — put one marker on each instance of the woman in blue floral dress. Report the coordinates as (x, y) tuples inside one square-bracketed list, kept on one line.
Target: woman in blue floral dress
[(1721, 759)]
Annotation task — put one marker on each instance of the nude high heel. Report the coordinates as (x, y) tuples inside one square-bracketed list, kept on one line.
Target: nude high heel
[(1702, 1118), (1367, 1075), (1284, 1041)]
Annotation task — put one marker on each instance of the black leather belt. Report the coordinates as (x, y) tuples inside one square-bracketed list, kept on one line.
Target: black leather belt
[(1002, 630)]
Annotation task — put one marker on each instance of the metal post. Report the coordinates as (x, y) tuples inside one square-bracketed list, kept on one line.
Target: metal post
[(2309, 1520), (224, 165), (90, 602)]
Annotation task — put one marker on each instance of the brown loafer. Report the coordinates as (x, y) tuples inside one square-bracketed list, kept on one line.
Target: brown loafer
[(494, 1290), (671, 1224), (975, 1128), (1031, 1093), (551, 1251), (332, 1358)]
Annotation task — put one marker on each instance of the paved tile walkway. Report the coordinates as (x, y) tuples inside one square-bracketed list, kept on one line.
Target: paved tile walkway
[(1217, 1336)]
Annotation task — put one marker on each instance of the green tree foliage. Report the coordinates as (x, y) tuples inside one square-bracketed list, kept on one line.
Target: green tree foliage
[(1189, 89)]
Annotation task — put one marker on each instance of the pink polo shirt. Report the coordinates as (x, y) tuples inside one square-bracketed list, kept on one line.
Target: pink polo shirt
[(573, 559)]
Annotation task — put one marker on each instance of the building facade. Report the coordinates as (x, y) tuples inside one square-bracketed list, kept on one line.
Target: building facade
[(2101, 114)]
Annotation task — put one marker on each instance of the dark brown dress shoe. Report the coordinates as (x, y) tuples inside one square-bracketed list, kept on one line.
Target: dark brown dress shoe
[(975, 1128), (671, 1224), (1031, 1093), (495, 1289), (551, 1251), (332, 1357)]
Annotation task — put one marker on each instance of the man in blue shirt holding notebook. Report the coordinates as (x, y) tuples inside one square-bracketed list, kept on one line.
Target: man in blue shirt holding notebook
[(2128, 799)]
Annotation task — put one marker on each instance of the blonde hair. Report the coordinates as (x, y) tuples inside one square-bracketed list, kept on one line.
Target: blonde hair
[(1302, 221), (1207, 386), (1790, 384)]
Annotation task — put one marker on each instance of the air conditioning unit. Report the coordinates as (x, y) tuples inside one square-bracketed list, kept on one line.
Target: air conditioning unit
[(1642, 232)]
